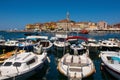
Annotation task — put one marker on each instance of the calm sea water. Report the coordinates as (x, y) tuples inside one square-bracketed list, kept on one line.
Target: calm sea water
[(51, 73)]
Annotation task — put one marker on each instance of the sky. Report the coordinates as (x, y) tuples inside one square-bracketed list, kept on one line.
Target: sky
[(19, 13)]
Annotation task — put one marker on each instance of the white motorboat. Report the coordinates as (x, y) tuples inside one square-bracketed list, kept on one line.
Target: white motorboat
[(109, 45), (76, 66), (78, 47), (92, 45), (52, 39), (26, 44), (61, 43), (9, 45), (111, 62), (46, 44), (22, 66), (2, 41), (36, 38)]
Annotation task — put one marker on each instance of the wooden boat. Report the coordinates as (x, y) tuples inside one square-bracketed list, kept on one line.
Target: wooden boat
[(111, 62)]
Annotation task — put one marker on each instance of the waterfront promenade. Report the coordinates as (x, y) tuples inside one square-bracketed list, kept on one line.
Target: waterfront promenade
[(111, 30)]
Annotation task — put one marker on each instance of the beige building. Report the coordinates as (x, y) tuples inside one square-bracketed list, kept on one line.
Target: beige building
[(36, 26), (29, 27), (65, 24), (102, 25)]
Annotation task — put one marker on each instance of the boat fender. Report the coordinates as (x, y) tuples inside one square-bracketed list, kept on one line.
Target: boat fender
[(48, 59), (102, 65), (0, 73)]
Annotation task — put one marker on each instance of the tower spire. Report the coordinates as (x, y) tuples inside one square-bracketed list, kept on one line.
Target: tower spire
[(68, 16)]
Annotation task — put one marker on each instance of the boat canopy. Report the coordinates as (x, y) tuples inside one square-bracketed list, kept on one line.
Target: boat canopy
[(77, 37)]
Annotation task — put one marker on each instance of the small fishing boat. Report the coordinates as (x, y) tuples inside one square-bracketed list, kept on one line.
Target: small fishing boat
[(22, 66), (76, 66), (111, 62)]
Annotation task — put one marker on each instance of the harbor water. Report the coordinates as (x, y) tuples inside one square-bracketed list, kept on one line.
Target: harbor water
[(51, 72)]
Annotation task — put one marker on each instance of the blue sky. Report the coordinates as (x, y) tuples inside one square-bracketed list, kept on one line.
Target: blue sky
[(18, 13)]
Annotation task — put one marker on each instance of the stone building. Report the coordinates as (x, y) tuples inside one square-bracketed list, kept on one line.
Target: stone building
[(102, 25)]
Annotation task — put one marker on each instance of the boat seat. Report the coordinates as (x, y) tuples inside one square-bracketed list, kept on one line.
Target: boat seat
[(68, 59), (75, 75), (78, 75), (75, 59), (116, 62)]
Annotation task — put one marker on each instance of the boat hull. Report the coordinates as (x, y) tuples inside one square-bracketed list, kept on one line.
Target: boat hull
[(93, 49), (63, 69), (7, 48), (29, 73), (105, 48), (111, 71), (61, 48)]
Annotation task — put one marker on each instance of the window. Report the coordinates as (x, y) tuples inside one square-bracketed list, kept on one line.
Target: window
[(8, 64), (17, 64), (30, 62)]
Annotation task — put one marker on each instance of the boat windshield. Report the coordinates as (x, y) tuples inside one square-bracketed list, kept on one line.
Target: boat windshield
[(8, 64), (61, 39), (17, 64)]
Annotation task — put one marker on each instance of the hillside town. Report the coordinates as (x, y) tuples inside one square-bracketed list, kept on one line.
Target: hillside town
[(69, 25)]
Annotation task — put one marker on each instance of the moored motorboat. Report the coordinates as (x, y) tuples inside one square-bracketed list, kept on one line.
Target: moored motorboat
[(9, 45), (61, 43), (111, 62), (76, 66), (25, 44), (7, 55), (109, 45), (92, 45), (77, 45), (21, 66), (84, 31), (46, 44)]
